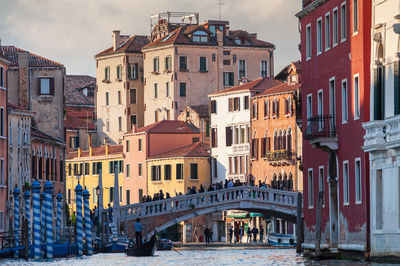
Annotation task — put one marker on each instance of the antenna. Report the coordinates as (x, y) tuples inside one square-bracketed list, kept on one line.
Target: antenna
[(220, 3)]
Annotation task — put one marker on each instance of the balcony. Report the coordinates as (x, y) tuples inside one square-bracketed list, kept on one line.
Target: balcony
[(280, 157), (321, 132), (382, 134)]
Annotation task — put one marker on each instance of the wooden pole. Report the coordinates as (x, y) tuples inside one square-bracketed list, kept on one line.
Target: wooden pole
[(26, 242), (318, 226), (299, 223)]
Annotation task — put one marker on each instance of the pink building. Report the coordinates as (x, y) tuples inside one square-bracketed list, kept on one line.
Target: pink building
[(140, 144)]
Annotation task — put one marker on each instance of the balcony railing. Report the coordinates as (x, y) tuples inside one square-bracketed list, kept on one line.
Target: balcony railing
[(320, 126), (281, 155)]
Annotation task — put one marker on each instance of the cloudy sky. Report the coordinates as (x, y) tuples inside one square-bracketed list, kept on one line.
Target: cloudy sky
[(73, 31)]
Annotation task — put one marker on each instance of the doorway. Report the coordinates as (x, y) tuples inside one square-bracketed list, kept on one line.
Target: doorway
[(333, 200)]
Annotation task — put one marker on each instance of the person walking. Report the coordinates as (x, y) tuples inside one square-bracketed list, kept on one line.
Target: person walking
[(255, 233), (240, 234), (138, 232), (248, 235), (230, 234), (261, 234), (207, 235)]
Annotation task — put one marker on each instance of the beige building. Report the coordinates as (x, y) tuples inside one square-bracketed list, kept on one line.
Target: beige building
[(119, 98), (186, 62), (199, 116)]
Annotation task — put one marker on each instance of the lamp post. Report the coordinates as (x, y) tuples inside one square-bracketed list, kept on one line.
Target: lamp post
[(98, 191)]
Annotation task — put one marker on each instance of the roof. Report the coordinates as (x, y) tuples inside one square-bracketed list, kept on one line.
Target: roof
[(11, 54), (168, 126), (282, 88), (98, 151), (284, 73), (134, 44), (73, 89), (36, 133), (201, 110), (181, 36), (197, 149), (77, 123), (259, 84)]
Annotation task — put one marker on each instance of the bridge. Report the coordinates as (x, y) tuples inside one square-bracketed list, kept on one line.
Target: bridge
[(160, 215)]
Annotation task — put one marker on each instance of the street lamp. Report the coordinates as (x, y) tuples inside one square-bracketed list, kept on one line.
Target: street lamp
[(98, 191)]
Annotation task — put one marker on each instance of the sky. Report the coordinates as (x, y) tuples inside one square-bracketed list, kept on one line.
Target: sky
[(73, 31)]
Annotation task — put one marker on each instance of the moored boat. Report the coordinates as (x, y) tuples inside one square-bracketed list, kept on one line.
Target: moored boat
[(281, 240), (146, 249)]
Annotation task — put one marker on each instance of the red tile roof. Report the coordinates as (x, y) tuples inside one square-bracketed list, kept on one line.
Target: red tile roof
[(198, 149), (168, 126), (11, 53), (257, 85), (36, 133), (283, 74), (98, 151), (81, 114), (133, 45), (73, 89), (283, 88), (201, 110), (77, 123)]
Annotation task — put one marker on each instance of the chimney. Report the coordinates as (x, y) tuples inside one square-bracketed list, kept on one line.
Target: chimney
[(220, 38), (134, 128), (79, 152), (89, 140), (116, 36), (107, 148), (23, 77)]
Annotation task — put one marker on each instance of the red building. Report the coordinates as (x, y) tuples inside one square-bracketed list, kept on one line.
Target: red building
[(335, 52)]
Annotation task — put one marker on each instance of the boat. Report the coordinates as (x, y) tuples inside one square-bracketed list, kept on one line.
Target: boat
[(146, 249), (164, 244), (281, 240)]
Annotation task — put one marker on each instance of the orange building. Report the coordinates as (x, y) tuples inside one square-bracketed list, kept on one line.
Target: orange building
[(276, 147), (142, 143)]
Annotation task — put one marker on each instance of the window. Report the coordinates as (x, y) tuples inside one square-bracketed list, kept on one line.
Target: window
[(119, 97), (234, 104), (156, 65), (2, 171), (183, 63), (335, 25), (227, 52), (275, 108), (246, 102), (234, 58), (254, 110), (308, 42), (140, 169), (128, 143), (203, 64), (310, 189), (213, 106), (168, 63), (214, 138), (343, 22), (264, 69), (228, 136), (128, 170), (327, 31), (345, 102), (320, 110), (212, 29), (379, 200), (69, 196), (111, 194), (119, 72), (228, 79), (242, 69), (355, 16), (107, 99), (213, 57), (167, 89), (356, 94), (46, 86), (319, 36), (1, 77), (120, 123), (132, 96), (2, 122), (379, 93), (167, 172), (254, 149), (227, 62), (140, 144), (358, 180), (193, 171), (156, 173), (346, 182), (133, 71), (266, 108), (179, 171), (87, 169), (200, 36), (155, 90), (96, 168), (128, 197), (182, 89), (133, 120), (107, 73), (309, 108), (321, 181)]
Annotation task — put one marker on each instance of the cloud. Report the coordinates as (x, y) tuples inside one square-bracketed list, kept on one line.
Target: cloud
[(73, 31)]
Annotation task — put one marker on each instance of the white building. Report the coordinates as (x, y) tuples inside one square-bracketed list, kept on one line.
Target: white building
[(382, 138), (230, 130)]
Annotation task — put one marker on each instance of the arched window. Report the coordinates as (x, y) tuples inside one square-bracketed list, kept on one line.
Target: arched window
[(280, 140), (290, 182), (280, 182), (285, 182), (289, 139), (275, 140), (284, 140)]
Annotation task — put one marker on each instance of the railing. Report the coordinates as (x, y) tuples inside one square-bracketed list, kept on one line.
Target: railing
[(382, 134), (320, 126), (282, 155), (209, 199)]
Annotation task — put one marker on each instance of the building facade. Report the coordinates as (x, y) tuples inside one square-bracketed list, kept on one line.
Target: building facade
[(382, 132), (119, 95), (199, 116), (140, 144), (186, 62), (335, 52)]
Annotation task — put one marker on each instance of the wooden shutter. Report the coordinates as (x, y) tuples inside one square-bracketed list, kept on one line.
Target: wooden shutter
[(268, 144), (256, 149), (277, 108), (129, 71), (396, 88), (51, 82), (263, 146)]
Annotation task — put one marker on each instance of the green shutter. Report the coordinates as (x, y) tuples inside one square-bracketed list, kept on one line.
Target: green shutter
[(223, 78), (396, 88), (129, 71), (110, 167), (231, 79)]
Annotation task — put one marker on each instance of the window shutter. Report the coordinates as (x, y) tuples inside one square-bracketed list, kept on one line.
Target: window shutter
[(223, 78), (231, 79), (268, 144), (396, 88), (277, 108), (136, 71), (39, 87), (51, 81), (111, 167), (256, 110), (129, 70), (256, 148)]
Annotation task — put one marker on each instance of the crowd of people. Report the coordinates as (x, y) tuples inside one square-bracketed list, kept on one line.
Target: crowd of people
[(236, 234)]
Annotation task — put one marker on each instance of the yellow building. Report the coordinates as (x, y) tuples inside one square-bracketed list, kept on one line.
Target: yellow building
[(173, 172), (85, 167)]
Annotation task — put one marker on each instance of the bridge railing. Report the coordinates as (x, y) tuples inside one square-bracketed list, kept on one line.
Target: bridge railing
[(208, 199)]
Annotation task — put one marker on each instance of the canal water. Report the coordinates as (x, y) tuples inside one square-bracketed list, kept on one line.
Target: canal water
[(220, 256)]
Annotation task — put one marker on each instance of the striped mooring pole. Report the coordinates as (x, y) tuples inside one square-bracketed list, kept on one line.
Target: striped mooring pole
[(48, 188), (36, 220), (88, 223), (17, 195), (59, 202), (79, 229), (27, 197), (43, 222)]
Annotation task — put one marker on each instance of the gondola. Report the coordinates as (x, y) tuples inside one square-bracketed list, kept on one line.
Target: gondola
[(146, 249)]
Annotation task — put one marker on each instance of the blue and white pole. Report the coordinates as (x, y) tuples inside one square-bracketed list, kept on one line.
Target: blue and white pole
[(48, 188), (27, 197), (88, 223), (43, 218), (36, 220), (59, 202), (79, 229), (17, 195)]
